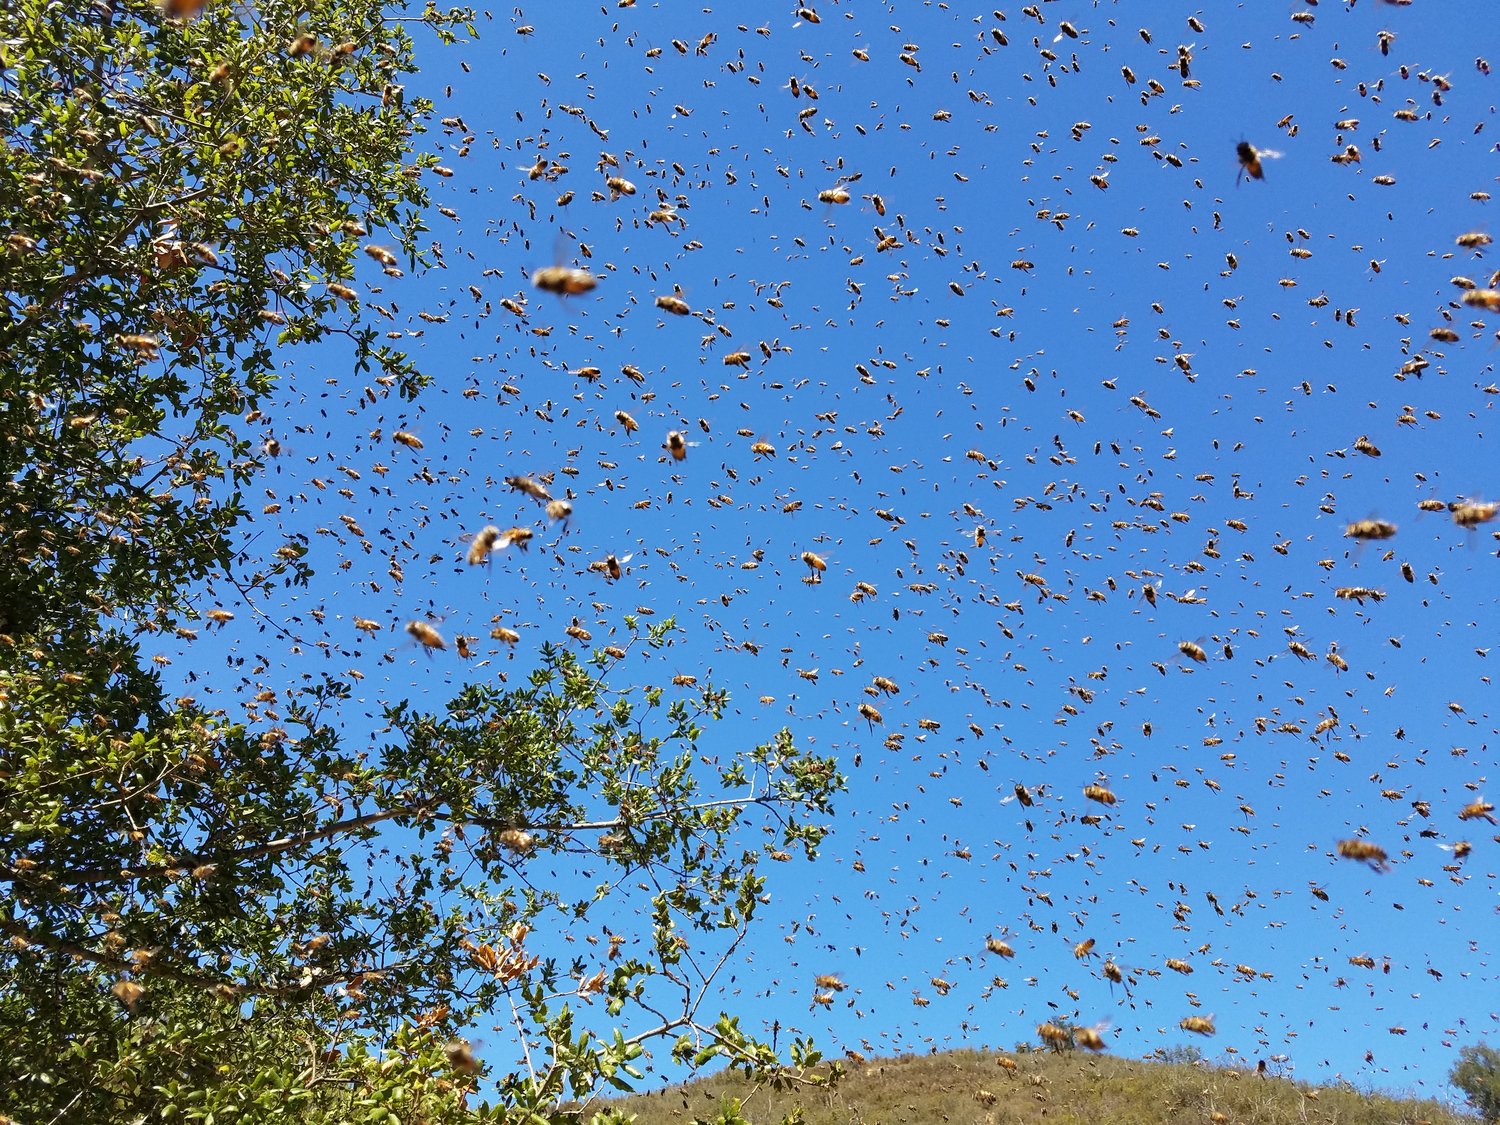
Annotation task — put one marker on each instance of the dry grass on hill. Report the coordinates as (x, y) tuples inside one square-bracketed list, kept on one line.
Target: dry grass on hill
[(973, 1088)]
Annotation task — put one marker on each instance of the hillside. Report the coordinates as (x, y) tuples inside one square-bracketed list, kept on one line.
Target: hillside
[(972, 1088)]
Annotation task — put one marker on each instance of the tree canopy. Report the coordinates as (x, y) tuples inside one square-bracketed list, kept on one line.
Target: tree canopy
[(1476, 1075), (272, 915)]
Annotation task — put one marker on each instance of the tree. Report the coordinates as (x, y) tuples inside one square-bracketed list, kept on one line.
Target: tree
[(262, 918), (1476, 1075)]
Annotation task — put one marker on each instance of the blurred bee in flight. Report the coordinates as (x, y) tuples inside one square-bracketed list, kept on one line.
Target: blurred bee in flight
[(1250, 158)]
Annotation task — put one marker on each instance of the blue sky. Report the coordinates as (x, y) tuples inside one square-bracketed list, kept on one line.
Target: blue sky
[(991, 367)]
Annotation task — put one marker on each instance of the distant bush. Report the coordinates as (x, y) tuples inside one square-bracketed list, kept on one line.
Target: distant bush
[(1184, 1053), (1476, 1075)]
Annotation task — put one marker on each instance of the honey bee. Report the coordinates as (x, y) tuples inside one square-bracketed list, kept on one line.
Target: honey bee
[(889, 687), (1474, 240), (1370, 529), (1201, 1025), (1478, 810), (504, 635), (1057, 1038), (1250, 158), (461, 643), (380, 254), (411, 441), (870, 714), (1487, 299), (182, 9), (763, 449), (1089, 1038), (559, 511), (630, 424), (677, 445), (670, 302), (1192, 651), (1364, 851), (1177, 965), (483, 544), (835, 195), (611, 566), (1024, 796), (1100, 793), (1469, 514), (425, 635), (816, 565), (514, 536), (1084, 948), (535, 490), (998, 947), (565, 281), (460, 1057)]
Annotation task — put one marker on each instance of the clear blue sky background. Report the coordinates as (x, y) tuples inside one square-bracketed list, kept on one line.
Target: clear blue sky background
[(1020, 313)]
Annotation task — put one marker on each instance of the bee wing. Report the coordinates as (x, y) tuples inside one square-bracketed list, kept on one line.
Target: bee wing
[(623, 559)]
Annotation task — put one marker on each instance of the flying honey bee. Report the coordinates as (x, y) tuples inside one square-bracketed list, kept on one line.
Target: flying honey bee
[(1201, 1025), (1089, 1038), (1370, 529), (630, 424), (514, 537), (870, 714), (611, 566), (816, 564), (1487, 299), (560, 511), (677, 445), (504, 635), (532, 488), (1192, 651), (380, 254), (1084, 948), (425, 635), (1478, 810), (1470, 514), (674, 304), (1057, 1038), (564, 281), (1250, 158), (1364, 851), (998, 947), (763, 449), (1024, 796), (1099, 793), (483, 544), (411, 441)]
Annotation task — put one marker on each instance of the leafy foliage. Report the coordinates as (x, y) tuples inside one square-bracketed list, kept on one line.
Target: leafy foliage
[(214, 919), (1476, 1075)]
